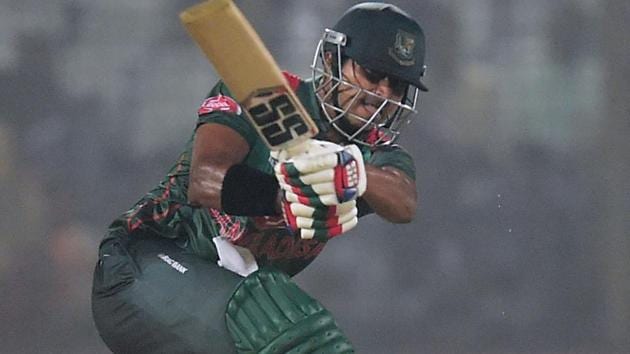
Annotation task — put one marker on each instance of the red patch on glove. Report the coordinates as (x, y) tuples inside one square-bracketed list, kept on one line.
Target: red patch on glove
[(290, 218), (335, 231), (219, 103)]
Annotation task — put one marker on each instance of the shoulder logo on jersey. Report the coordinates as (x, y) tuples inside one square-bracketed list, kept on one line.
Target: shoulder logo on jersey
[(219, 103)]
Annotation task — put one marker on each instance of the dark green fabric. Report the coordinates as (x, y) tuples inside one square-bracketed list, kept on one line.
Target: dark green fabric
[(269, 314), (394, 156), (144, 304)]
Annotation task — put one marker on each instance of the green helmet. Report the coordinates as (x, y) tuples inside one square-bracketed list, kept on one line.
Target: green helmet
[(383, 39)]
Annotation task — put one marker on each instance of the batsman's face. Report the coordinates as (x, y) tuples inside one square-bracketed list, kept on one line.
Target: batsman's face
[(365, 105)]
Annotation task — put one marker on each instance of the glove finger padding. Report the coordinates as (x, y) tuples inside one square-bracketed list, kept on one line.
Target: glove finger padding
[(319, 177), (328, 179), (313, 199), (324, 234), (310, 190), (298, 209), (305, 164), (320, 223), (310, 223)]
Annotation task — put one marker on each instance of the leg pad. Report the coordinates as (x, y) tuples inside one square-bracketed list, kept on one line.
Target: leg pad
[(269, 314)]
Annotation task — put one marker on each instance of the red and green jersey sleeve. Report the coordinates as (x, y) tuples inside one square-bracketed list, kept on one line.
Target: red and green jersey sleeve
[(232, 118), (393, 156)]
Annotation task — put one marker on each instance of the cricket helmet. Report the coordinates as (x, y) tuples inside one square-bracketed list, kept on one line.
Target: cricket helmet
[(383, 39)]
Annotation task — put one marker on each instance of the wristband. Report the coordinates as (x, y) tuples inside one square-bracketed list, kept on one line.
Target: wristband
[(247, 191)]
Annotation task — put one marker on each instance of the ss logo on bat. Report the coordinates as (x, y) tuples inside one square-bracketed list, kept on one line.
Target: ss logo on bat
[(276, 118)]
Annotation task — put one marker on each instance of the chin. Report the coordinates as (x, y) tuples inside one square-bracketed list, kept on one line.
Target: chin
[(363, 113), (356, 123)]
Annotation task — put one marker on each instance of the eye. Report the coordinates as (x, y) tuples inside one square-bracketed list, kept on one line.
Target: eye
[(374, 76)]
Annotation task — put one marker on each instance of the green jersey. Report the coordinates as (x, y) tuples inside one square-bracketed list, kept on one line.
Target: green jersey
[(165, 210)]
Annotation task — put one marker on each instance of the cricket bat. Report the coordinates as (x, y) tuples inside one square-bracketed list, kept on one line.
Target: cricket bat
[(241, 59)]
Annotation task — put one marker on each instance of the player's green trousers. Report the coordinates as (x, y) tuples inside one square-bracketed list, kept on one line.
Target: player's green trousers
[(152, 296)]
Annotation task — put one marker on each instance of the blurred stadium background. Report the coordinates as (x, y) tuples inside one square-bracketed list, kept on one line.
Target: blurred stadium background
[(521, 243)]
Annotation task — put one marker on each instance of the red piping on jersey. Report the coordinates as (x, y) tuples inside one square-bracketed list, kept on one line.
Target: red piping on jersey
[(155, 217), (292, 79), (228, 227), (374, 135)]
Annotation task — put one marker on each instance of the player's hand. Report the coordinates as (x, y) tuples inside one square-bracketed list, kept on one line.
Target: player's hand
[(325, 174), (322, 222)]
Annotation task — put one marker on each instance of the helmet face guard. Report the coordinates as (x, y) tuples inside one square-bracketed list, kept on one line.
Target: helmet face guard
[(383, 126)]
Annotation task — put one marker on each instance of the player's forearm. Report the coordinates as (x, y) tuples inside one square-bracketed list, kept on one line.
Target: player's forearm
[(205, 184), (216, 149), (391, 194)]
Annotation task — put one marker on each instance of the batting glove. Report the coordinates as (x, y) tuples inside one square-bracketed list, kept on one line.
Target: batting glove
[(322, 222), (325, 174)]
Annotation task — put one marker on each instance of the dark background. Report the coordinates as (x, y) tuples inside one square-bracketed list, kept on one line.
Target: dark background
[(522, 147)]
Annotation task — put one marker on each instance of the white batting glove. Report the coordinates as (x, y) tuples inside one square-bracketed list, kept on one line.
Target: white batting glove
[(322, 222), (325, 174)]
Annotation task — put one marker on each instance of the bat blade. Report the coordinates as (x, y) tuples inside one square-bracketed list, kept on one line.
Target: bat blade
[(240, 57)]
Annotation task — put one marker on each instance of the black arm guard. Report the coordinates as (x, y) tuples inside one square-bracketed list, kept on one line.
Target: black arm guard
[(247, 191)]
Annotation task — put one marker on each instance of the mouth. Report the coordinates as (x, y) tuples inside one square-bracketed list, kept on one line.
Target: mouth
[(370, 109), (369, 105)]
